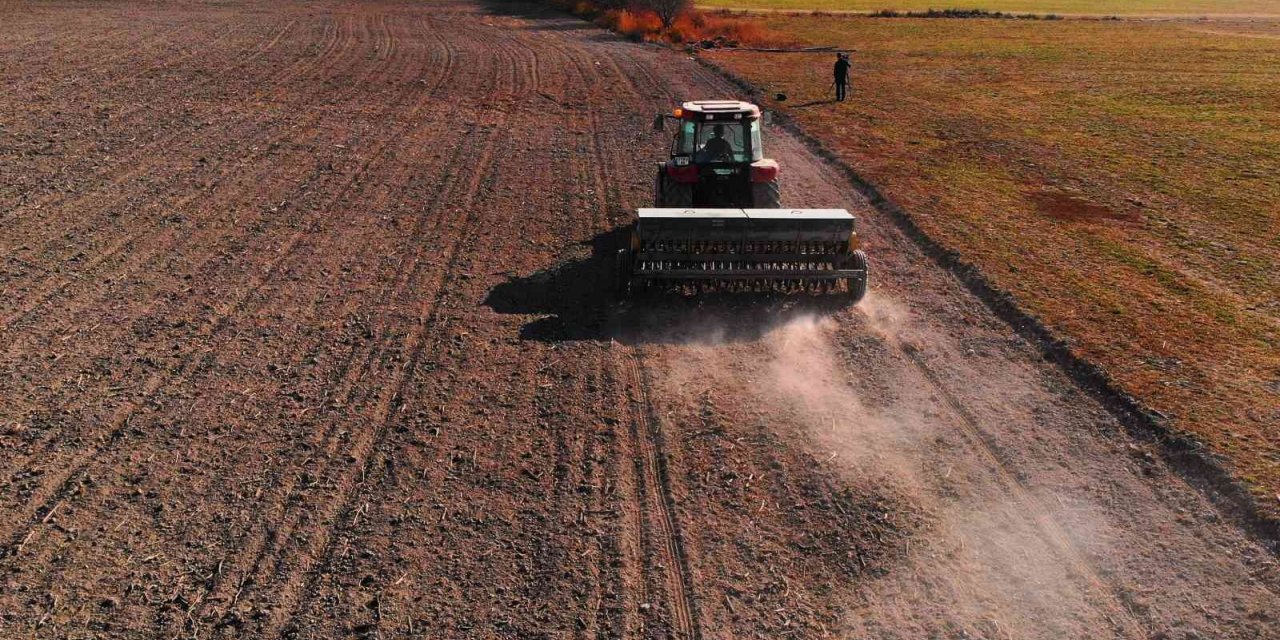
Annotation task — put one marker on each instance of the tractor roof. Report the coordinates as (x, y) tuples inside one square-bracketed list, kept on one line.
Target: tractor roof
[(719, 109)]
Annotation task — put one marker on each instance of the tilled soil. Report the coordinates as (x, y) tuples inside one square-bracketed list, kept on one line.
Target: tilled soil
[(304, 333)]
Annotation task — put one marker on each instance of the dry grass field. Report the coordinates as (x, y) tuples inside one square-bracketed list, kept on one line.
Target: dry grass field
[(1118, 177), (1067, 7)]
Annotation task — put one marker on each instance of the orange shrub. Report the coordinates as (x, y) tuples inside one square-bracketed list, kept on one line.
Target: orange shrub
[(694, 26), (638, 25), (745, 31), (691, 26)]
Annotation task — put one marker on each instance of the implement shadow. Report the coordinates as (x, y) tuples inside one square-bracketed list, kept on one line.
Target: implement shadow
[(577, 300)]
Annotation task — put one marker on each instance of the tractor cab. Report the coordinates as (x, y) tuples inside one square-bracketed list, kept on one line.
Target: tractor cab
[(718, 132), (717, 158)]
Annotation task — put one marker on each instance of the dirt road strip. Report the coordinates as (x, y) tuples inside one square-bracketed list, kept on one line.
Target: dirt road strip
[(303, 333)]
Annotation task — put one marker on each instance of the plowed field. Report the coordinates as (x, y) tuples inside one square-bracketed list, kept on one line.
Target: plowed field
[(303, 333)]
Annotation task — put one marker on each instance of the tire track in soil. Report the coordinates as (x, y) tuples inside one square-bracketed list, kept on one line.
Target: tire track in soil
[(304, 184), (434, 89), (299, 585), (1127, 623), (138, 260), (626, 554), (7, 49), (577, 451), (154, 45), (274, 536), (602, 621), (126, 168), (211, 249), (624, 372), (170, 62), (401, 284), (65, 481), (661, 530), (596, 143), (580, 453), (346, 376), (652, 530), (615, 498), (654, 500), (302, 584)]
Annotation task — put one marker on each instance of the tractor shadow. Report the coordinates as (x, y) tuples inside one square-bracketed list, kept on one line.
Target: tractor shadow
[(577, 300)]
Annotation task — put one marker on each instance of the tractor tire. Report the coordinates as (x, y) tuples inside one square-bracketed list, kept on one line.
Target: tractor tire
[(766, 195), (669, 193), (857, 286)]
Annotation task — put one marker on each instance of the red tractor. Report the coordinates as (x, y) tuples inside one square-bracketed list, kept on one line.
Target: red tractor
[(718, 219)]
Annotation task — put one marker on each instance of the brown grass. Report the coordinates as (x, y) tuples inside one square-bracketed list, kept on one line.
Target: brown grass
[(1119, 178), (1194, 8)]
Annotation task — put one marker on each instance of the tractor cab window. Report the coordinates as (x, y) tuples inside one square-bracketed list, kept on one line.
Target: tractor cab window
[(719, 141)]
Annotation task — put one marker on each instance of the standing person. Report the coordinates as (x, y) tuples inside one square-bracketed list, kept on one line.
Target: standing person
[(842, 75)]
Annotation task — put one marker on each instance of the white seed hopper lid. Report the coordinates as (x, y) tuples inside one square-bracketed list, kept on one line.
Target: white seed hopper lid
[(691, 212), (798, 214)]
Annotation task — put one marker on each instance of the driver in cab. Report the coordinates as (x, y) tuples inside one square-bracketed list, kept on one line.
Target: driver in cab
[(716, 147)]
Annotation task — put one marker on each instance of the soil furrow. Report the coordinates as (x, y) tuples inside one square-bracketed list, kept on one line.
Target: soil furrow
[(126, 169), (65, 480), (45, 294), (211, 241), (268, 544), (296, 586)]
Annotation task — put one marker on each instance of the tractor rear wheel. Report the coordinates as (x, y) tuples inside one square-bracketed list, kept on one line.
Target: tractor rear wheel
[(857, 285), (669, 193), (766, 195)]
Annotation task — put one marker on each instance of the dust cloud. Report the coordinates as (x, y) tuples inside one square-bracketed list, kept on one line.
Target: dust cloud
[(987, 565)]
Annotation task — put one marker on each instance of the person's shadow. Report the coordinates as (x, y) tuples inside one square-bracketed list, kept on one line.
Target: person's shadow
[(579, 300)]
